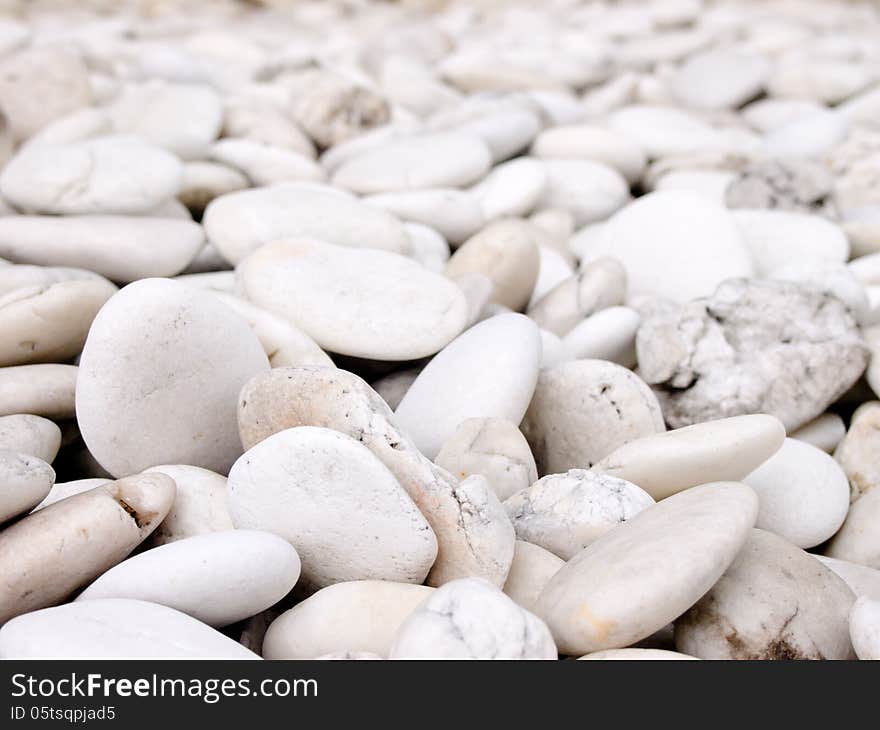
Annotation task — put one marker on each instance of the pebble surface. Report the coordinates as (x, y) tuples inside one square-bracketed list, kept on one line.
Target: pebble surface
[(462, 329)]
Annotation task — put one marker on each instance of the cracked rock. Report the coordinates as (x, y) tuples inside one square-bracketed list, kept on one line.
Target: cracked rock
[(472, 619), (564, 513), (752, 347)]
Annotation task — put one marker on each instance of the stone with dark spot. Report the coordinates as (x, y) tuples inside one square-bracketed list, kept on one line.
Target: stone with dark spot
[(774, 602)]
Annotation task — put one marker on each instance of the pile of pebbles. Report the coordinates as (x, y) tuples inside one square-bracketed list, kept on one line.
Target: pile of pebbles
[(440, 329)]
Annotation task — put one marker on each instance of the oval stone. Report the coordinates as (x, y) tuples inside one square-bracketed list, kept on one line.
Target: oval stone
[(165, 362), (530, 571), (218, 578), (643, 574), (489, 371), (336, 503), (31, 435), (24, 481), (359, 302)]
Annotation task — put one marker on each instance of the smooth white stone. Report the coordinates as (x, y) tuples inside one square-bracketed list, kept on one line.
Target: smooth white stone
[(804, 494), (204, 181), (218, 578), (592, 143), (183, 118), (24, 481), (512, 188), (336, 503), (583, 410), (808, 136), (590, 190), (283, 342), (115, 628), (359, 302), (646, 572), (264, 164), (427, 247), (824, 432), (863, 581), (506, 131), (265, 123), (44, 390), (472, 619), (857, 450), (63, 490), (773, 602), (553, 350), (441, 159), (693, 241), (711, 183), (239, 223), (609, 334), (488, 371), (777, 238), (473, 532), (494, 448), (714, 451), (864, 628), (531, 569), (600, 284), (769, 114), (640, 655), (103, 175), (200, 505), (506, 252), (361, 616), (663, 131), (553, 269), (720, 79), (477, 289), (564, 513), (164, 361), (78, 125), (33, 435), (122, 248), (455, 214), (55, 550), (858, 540)]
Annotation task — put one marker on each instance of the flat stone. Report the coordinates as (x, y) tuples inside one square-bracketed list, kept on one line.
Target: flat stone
[(507, 253), (239, 223), (265, 164), (585, 409), (864, 628), (856, 452), (512, 188), (609, 334), (330, 497), (592, 191), (472, 619), (359, 302), (584, 141), (804, 494), (117, 174), (858, 541), (359, 616), (753, 347), (24, 481), (773, 602), (648, 571), (455, 214), (663, 131), (182, 118), (122, 248), (474, 535), (494, 448), (203, 181), (489, 371), (531, 569), (60, 548), (115, 628), (824, 432), (164, 361), (43, 390), (428, 247), (32, 435), (715, 451), (218, 578), (564, 513), (441, 159), (720, 79), (693, 241)]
